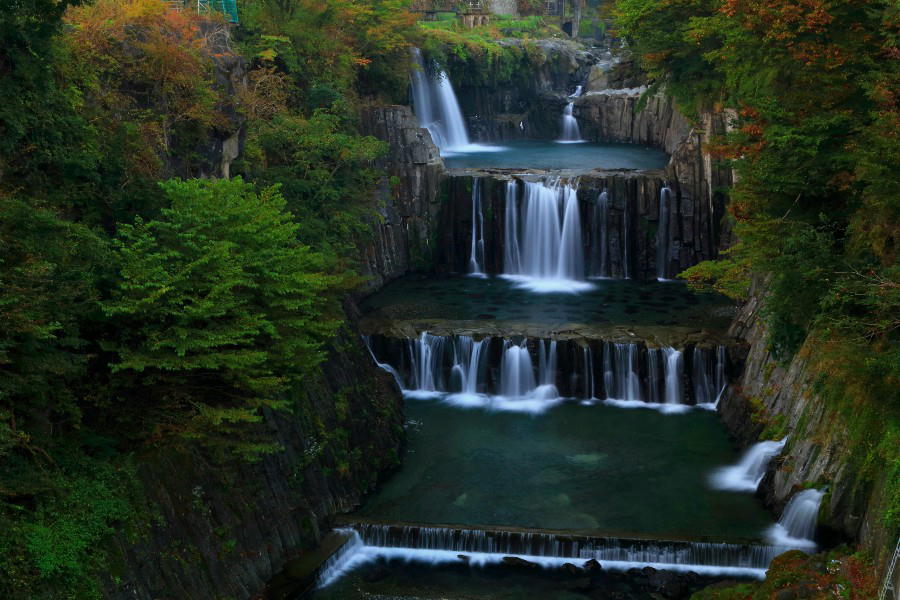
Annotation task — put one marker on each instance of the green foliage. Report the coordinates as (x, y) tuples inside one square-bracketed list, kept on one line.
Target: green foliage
[(55, 549), (219, 306), (325, 174)]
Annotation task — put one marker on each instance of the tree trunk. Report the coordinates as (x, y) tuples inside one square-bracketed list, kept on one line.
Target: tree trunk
[(576, 17)]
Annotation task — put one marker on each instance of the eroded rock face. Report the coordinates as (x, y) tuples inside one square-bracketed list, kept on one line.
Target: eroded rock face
[(408, 206)]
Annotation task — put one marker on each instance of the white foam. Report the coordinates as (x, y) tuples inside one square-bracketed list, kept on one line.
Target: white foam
[(361, 555), (547, 285), (669, 409)]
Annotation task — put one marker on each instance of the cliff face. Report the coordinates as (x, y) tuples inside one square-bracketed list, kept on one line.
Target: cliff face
[(222, 527), (408, 203), (782, 400)]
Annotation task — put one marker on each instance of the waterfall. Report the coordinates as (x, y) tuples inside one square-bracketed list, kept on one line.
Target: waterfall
[(655, 374), (436, 545), (708, 375), (342, 561), (797, 525), (367, 340), (466, 367), (674, 374), (748, 473), (512, 261), (436, 106), (662, 234), (544, 248), (620, 372), (476, 256), (570, 132), (590, 390), (601, 214), (516, 371)]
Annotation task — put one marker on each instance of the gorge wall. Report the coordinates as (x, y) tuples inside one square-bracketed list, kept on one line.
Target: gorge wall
[(222, 527), (771, 400)]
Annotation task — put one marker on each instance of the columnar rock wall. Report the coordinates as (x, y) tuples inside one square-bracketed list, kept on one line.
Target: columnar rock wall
[(402, 236), (221, 527)]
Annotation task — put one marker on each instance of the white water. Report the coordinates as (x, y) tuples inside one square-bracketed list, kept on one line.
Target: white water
[(571, 134), (797, 526), (662, 234), (436, 546), (342, 561), (476, 255), (709, 377), (383, 366), (674, 375), (544, 248), (620, 372), (748, 473), (438, 110), (601, 217), (454, 369)]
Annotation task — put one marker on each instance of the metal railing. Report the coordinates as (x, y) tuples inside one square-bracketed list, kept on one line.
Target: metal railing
[(888, 585)]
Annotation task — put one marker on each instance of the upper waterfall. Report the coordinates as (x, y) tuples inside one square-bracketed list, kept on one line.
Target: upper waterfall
[(571, 134)]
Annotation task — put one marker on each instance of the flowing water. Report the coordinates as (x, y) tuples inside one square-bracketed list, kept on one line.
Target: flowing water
[(749, 472), (519, 441)]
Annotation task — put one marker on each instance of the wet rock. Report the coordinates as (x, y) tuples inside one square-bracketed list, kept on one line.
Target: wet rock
[(464, 557), (515, 561), (572, 569), (592, 566)]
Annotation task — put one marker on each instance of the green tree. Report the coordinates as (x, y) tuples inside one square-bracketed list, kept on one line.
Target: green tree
[(218, 308)]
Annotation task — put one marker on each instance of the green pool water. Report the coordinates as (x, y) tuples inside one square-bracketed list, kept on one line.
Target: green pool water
[(499, 302), (586, 156), (593, 469)]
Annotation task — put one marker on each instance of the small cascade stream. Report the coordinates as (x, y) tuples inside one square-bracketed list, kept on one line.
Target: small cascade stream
[(662, 234), (476, 256), (748, 473), (571, 134), (797, 526)]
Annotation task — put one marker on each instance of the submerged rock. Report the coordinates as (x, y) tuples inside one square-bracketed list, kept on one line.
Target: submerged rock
[(515, 561)]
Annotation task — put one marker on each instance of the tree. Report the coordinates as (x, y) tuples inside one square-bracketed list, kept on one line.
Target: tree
[(219, 309)]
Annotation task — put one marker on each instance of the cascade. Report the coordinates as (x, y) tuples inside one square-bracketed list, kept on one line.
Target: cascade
[(655, 372), (517, 371), (436, 106), (748, 473), (662, 234), (367, 340), (589, 387), (674, 375), (544, 242), (708, 375), (600, 246), (442, 544), (571, 134), (512, 259), (620, 372), (342, 561), (476, 256), (797, 526)]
